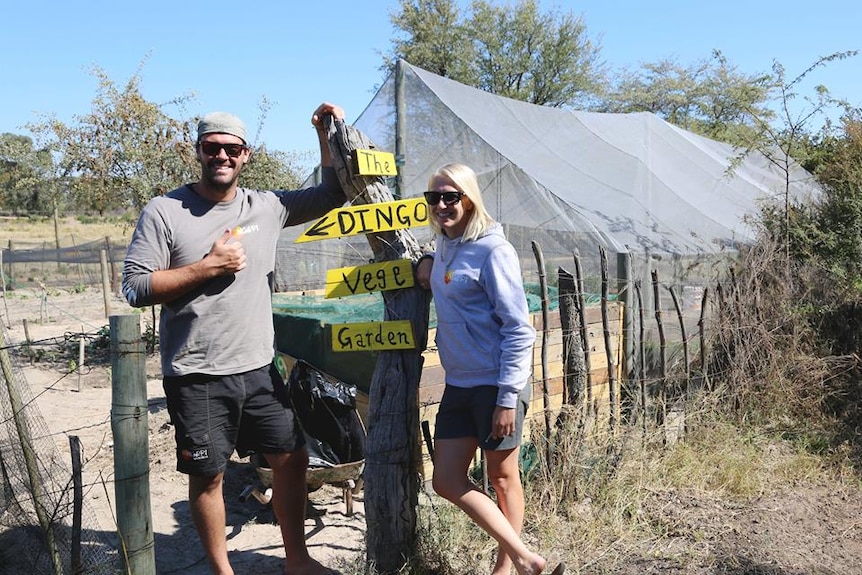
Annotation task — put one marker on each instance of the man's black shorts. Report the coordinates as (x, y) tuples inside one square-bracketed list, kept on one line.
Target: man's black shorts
[(215, 414)]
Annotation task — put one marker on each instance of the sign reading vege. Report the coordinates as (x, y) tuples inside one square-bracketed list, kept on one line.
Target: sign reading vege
[(368, 218), (382, 276), (373, 336)]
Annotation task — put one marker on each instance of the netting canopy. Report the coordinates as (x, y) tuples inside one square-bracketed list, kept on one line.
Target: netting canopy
[(568, 180)]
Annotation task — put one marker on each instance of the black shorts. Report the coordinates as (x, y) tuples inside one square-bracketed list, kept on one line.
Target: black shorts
[(469, 412), (215, 414)]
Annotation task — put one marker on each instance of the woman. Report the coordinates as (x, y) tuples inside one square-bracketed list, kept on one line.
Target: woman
[(485, 340)]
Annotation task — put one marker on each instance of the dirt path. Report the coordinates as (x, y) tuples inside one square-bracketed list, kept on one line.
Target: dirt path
[(82, 407)]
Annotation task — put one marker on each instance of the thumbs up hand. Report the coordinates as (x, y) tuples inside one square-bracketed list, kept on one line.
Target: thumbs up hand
[(227, 256)]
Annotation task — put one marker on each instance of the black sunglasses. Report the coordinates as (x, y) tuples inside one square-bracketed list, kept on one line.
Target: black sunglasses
[(449, 198), (213, 149)]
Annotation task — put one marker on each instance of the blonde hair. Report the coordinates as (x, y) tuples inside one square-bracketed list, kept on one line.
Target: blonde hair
[(463, 178)]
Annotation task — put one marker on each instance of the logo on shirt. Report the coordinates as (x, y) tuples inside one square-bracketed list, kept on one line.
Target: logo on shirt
[(240, 231)]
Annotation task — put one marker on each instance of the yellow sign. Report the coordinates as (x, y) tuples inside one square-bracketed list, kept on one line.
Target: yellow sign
[(374, 163), (383, 276), (368, 218), (373, 336)]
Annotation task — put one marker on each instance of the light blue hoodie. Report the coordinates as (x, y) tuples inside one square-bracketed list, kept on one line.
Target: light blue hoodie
[(484, 334)]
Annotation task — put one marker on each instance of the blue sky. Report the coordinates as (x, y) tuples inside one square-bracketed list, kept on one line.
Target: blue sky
[(231, 55)]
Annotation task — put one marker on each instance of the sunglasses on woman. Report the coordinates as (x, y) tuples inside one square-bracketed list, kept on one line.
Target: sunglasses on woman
[(449, 198), (213, 149)]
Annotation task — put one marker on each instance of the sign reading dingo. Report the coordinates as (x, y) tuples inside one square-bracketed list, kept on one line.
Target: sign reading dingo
[(373, 336), (368, 218), (383, 276)]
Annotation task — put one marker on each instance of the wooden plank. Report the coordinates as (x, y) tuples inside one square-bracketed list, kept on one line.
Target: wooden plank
[(553, 320)]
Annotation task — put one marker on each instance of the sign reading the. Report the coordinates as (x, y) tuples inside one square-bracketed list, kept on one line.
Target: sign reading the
[(383, 276), (373, 336), (374, 163), (368, 218)]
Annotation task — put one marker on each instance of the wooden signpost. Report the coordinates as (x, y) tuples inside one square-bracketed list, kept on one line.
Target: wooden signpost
[(392, 422)]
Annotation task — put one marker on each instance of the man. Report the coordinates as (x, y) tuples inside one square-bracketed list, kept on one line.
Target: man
[(206, 253)]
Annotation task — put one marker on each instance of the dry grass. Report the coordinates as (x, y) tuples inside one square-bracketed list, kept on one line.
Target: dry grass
[(765, 440), (71, 230)]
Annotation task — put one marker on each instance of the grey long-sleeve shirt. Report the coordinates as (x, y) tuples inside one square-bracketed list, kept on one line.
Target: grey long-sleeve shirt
[(225, 325)]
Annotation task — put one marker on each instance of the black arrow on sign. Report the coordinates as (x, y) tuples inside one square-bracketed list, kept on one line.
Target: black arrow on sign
[(319, 228)]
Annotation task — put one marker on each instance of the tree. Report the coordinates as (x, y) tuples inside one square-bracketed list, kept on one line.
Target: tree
[(128, 150), (835, 236), (125, 151), (436, 39), (25, 175), (514, 51), (708, 97), (272, 170), (541, 58), (784, 141)]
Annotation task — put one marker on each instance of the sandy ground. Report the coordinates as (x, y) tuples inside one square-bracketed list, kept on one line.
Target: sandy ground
[(810, 528), (81, 406)]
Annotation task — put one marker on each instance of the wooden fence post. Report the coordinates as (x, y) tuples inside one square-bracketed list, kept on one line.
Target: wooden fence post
[(11, 273), (592, 407), (41, 503), (641, 369), (106, 287), (662, 389), (546, 398), (112, 264), (131, 445), (77, 503), (613, 396)]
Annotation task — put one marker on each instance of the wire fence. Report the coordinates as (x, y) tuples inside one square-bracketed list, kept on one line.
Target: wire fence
[(39, 264), (46, 525)]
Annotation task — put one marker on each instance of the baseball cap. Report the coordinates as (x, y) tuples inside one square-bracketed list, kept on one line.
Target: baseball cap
[(221, 123)]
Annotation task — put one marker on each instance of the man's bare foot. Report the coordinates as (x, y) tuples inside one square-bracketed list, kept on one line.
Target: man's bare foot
[(309, 567)]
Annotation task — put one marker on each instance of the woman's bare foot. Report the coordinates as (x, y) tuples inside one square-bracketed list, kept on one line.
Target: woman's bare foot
[(503, 565), (532, 564)]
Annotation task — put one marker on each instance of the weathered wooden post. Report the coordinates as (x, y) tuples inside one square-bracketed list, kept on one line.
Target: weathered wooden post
[(106, 286), (131, 445), (575, 369), (41, 503), (613, 395), (77, 503), (392, 444), (546, 397)]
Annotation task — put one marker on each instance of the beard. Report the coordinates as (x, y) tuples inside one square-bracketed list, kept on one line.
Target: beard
[(216, 181)]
